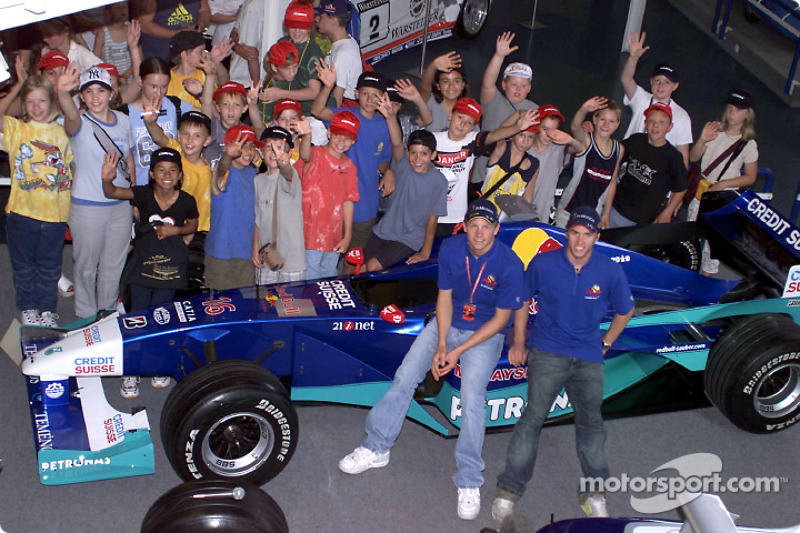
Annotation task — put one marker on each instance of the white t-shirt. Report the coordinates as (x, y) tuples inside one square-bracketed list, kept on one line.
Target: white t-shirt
[(455, 160), (681, 132), (223, 7), (346, 56), (260, 24), (79, 54)]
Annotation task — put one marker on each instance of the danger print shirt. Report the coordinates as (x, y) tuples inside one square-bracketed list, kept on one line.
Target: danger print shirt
[(455, 161)]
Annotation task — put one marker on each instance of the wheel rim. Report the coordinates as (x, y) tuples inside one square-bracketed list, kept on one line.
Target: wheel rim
[(778, 392), (237, 444), (475, 12)]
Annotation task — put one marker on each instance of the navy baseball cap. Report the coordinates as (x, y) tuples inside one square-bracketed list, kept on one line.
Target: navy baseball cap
[(665, 69), (276, 132), (741, 99), (165, 154), (586, 217), (482, 208), (333, 7)]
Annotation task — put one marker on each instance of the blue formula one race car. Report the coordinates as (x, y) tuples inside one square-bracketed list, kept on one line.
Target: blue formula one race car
[(236, 353)]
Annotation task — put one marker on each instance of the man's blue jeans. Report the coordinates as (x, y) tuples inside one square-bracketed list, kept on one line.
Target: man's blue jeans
[(547, 374), (385, 419)]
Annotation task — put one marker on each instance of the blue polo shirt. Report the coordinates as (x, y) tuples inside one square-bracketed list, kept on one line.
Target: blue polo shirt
[(572, 306), (500, 282), (233, 218), (373, 147)]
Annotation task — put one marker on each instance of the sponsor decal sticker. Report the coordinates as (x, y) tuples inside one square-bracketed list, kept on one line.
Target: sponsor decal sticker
[(54, 390), (95, 365), (91, 335), (792, 287), (134, 322), (349, 325), (54, 349), (289, 306), (220, 305), (161, 315), (185, 311), (78, 462), (336, 294)]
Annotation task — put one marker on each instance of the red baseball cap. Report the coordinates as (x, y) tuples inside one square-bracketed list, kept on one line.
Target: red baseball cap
[(111, 69), (248, 134), (659, 106), (279, 51), (53, 59), (230, 87), (284, 104), (546, 111), (299, 15), (345, 123), (469, 107)]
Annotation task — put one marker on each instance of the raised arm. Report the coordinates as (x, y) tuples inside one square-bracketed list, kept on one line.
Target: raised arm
[(502, 49), (252, 109), (386, 109), (68, 81), (303, 129), (108, 172), (131, 90), (327, 76), (595, 103), (11, 96), (443, 63), (207, 97), (636, 49), (525, 119), (149, 117), (407, 90)]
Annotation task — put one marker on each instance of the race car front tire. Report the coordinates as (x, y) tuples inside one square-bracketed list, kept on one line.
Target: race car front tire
[(753, 373), (215, 506), (229, 420), (472, 18)]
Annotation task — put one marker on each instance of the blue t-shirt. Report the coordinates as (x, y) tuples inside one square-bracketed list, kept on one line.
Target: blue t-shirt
[(500, 282), (373, 147), (143, 143), (572, 306), (233, 219)]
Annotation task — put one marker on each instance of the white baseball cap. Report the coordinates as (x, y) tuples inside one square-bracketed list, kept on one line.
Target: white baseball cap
[(95, 75), (520, 70)]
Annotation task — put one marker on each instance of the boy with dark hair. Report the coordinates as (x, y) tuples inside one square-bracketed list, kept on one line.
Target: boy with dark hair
[(663, 83), (371, 154), (194, 134), (653, 169), (187, 49), (228, 262), (408, 228), (345, 56)]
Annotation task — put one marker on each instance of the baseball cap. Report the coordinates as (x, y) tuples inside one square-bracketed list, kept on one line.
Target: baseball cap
[(247, 133), (279, 51), (299, 15), (373, 79), (276, 132), (469, 107), (185, 40), (482, 208), (111, 69), (53, 59), (519, 70), (333, 7), (549, 110), (95, 74), (422, 137), (165, 154), (586, 217), (659, 106), (230, 87), (345, 123), (195, 116), (741, 99), (394, 94), (664, 69), (284, 104)]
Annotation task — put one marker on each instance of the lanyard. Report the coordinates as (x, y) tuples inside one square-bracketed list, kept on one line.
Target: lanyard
[(509, 103), (477, 280)]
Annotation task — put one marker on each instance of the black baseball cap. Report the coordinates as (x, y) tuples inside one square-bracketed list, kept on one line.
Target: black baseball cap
[(482, 208), (394, 94), (166, 154), (423, 137), (585, 216), (276, 132), (185, 40), (373, 79), (664, 69), (196, 117), (741, 99)]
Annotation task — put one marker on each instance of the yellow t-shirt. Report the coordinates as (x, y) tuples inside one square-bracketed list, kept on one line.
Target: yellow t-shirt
[(176, 88), (197, 182), (41, 178), (514, 185)]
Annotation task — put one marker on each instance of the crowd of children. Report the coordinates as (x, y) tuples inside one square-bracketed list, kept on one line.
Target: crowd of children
[(282, 167)]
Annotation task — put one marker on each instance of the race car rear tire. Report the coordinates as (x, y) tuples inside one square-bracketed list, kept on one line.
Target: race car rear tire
[(472, 18), (215, 506), (229, 420), (753, 373)]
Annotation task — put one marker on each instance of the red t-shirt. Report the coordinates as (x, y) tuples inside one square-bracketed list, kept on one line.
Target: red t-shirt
[(327, 182)]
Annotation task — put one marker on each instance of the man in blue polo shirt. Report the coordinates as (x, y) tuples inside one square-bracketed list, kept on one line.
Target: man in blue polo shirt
[(480, 283), (573, 289)]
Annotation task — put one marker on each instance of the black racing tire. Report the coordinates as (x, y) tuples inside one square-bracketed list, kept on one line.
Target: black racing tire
[(685, 254), (753, 373), (215, 507), (229, 420), (472, 18)]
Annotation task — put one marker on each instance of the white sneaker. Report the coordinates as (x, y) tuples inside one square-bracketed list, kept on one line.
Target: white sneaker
[(129, 387), (363, 459), (30, 317), (65, 287), (469, 503), (48, 319), (160, 382), (594, 505), (501, 508)]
